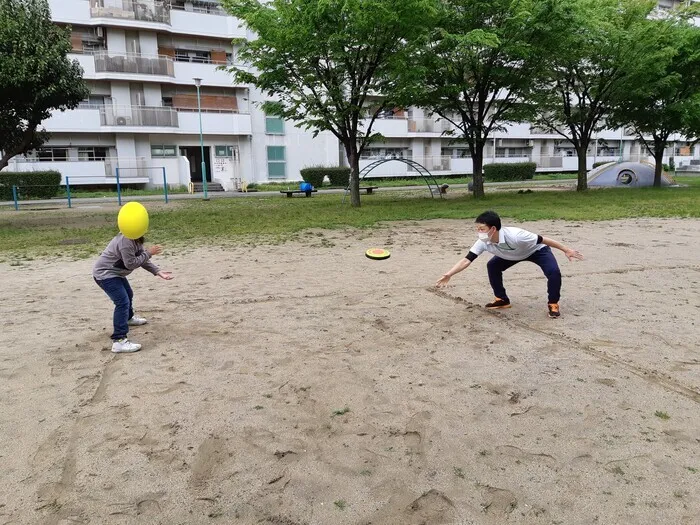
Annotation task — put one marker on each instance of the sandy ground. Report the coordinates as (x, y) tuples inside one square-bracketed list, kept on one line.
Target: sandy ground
[(306, 384)]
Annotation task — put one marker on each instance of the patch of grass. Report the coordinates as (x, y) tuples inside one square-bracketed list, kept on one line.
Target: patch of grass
[(458, 472), (275, 219), (77, 193), (341, 504), (341, 411), (662, 415), (692, 469), (258, 407), (365, 472)]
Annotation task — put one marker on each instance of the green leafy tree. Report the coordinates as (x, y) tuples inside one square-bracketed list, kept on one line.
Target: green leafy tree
[(663, 98), (324, 62), (598, 48), (36, 77), (478, 67)]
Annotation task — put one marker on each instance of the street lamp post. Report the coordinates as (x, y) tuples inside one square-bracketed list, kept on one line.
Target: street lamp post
[(198, 83)]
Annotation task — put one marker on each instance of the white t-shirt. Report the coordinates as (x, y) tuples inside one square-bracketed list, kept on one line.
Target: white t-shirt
[(514, 244)]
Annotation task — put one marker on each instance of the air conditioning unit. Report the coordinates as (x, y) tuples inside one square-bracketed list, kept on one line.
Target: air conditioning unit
[(121, 121), (499, 143), (529, 143), (100, 32)]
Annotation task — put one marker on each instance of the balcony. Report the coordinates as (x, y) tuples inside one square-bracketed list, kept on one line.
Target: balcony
[(388, 127), (82, 119), (209, 73), (134, 64), (214, 122), (209, 24), (70, 12), (155, 11), (138, 116)]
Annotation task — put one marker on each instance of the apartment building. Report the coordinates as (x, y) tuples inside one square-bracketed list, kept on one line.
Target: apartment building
[(140, 59), (141, 121)]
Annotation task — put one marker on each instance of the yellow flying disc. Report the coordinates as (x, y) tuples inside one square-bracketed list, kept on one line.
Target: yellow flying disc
[(378, 254)]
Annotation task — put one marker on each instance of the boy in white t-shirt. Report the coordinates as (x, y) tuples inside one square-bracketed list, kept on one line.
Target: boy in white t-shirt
[(511, 246)]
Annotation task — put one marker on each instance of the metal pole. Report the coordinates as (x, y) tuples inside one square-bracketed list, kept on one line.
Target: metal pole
[(119, 189), (68, 190), (165, 186), (14, 196), (201, 144)]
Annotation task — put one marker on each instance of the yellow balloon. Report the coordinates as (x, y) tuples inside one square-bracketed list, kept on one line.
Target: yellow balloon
[(133, 220)]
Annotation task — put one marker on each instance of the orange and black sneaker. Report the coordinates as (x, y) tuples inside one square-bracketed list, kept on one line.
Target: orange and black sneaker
[(498, 303), (554, 310)]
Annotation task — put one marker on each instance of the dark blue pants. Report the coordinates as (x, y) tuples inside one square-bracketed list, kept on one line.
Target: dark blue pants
[(544, 258), (119, 291)]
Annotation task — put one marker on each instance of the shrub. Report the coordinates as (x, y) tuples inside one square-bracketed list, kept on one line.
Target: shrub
[(316, 174), (30, 184), (508, 172), (596, 164), (338, 176)]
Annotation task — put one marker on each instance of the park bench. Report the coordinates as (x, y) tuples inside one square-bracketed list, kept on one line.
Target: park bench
[(290, 193), (368, 189)]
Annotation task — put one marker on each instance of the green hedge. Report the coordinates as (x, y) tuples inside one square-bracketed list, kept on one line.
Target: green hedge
[(596, 164), (30, 184), (316, 174), (507, 172)]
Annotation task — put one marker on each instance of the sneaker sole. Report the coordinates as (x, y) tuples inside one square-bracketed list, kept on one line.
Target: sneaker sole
[(497, 307), (125, 351), (554, 316)]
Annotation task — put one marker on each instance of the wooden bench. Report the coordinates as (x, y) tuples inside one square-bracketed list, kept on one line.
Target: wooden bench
[(290, 193), (368, 189)]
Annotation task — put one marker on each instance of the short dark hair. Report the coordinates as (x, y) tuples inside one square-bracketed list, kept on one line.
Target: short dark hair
[(489, 218)]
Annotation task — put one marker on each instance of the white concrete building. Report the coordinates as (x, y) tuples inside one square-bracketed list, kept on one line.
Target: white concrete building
[(140, 58)]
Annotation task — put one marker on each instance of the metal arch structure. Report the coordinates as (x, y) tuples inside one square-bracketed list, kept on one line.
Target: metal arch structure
[(433, 185)]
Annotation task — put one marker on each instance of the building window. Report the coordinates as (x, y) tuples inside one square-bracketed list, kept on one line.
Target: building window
[(163, 151), (276, 165), (191, 55), (92, 153), (52, 154), (223, 151), (274, 125)]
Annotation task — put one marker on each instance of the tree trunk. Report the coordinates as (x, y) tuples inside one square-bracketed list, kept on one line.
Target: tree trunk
[(478, 169), (354, 161), (582, 153), (4, 161), (659, 163)]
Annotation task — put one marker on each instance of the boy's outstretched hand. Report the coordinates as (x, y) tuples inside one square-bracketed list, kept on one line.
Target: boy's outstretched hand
[(442, 281), (573, 254), (165, 275)]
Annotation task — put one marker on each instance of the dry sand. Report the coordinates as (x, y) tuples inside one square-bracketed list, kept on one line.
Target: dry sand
[(233, 412)]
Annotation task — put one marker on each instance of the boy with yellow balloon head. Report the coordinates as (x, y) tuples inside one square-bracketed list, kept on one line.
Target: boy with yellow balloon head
[(124, 254)]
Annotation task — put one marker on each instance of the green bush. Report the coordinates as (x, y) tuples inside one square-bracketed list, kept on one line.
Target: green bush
[(508, 172), (596, 164), (338, 176), (315, 175), (30, 184)]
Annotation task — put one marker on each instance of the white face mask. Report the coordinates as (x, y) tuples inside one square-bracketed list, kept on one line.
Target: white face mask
[(483, 236)]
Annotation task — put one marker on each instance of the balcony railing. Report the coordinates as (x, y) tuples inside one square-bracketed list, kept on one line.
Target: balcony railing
[(202, 8), (156, 116), (135, 64), (142, 10)]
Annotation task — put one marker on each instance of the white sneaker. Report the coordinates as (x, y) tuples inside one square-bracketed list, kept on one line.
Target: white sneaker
[(124, 346), (136, 321)]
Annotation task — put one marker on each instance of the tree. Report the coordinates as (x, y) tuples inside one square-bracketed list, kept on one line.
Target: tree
[(597, 51), (664, 97), (478, 68), (36, 77), (322, 60)]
